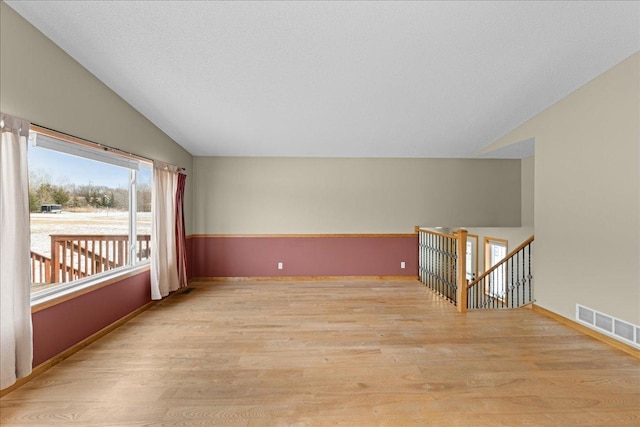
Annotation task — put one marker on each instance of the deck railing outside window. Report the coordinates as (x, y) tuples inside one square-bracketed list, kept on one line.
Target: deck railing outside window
[(75, 257)]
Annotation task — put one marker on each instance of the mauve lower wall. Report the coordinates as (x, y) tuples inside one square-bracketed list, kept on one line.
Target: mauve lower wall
[(344, 255), (61, 326)]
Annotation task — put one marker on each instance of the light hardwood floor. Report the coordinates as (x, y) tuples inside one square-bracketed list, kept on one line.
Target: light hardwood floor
[(333, 353)]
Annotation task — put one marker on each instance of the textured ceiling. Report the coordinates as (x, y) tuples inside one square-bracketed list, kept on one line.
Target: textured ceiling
[(340, 79)]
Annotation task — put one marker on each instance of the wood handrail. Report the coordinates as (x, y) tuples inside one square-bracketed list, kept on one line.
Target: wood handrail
[(502, 261), (39, 257), (437, 233), (102, 237)]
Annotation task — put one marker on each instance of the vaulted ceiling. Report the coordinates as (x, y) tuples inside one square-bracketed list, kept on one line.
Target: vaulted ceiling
[(340, 79)]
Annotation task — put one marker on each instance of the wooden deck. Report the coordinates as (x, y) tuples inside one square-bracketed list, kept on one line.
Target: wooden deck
[(333, 353)]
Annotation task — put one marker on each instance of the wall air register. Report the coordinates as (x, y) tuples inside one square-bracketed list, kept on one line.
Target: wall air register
[(609, 325)]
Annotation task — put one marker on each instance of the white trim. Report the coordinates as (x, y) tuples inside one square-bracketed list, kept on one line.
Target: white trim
[(62, 290), (133, 215)]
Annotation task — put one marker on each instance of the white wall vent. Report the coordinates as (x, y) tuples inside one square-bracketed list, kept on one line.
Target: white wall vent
[(623, 329), (604, 322), (585, 315), (609, 325)]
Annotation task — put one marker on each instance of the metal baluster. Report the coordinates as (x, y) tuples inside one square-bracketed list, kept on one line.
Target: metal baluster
[(443, 267), (424, 260), (510, 302), (420, 255), (449, 259), (439, 266), (530, 276), (519, 256), (452, 270), (454, 276), (429, 260), (493, 291), (516, 285), (423, 250), (434, 263)]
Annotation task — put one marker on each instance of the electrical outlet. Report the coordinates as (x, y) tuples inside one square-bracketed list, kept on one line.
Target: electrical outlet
[(402, 265), (280, 266)]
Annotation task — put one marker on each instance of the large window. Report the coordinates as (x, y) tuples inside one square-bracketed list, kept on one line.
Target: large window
[(90, 212)]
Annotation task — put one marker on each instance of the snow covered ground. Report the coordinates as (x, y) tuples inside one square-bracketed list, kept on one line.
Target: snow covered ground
[(99, 222)]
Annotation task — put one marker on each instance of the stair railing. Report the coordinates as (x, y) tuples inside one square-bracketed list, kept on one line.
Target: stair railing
[(442, 264), (507, 284)]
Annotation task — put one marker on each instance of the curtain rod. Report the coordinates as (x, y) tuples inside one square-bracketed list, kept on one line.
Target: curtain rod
[(103, 146)]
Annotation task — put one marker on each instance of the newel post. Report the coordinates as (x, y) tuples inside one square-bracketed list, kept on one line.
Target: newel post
[(461, 271), (55, 261)]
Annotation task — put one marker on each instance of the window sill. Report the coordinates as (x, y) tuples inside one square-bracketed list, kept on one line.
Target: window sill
[(39, 303)]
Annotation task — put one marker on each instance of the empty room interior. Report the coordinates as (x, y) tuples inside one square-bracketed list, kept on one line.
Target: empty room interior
[(320, 213)]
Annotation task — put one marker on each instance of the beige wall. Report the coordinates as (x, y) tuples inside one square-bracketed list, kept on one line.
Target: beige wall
[(41, 83), (587, 196), (328, 195), (514, 235), (527, 180)]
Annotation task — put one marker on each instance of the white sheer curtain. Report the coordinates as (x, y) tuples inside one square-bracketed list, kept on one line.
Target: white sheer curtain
[(16, 342), (164, 260)]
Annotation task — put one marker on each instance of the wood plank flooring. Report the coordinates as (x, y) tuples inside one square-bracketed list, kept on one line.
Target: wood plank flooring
[(371, 353)]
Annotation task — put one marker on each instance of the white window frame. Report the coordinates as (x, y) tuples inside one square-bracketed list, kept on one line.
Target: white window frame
[(501, 273)]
